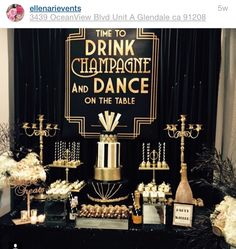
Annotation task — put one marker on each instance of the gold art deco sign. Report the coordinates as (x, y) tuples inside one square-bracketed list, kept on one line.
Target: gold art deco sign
[(115, 70)]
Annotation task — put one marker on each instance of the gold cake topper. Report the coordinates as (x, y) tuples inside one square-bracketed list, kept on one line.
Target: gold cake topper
[(109, 121)]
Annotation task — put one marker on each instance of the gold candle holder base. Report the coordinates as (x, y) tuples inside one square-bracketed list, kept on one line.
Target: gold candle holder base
[(148, 164), (142, 165), (217, 230), (164, 165), (159, 165)]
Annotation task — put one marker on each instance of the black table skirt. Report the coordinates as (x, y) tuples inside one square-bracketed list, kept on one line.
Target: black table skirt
[(200, 236)]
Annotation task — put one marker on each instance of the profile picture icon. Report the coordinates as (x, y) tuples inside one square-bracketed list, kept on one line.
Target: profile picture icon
[(15, 12)]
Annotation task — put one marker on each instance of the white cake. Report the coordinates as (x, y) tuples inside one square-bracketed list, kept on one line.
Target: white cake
[(108, 152), (107, 167), (107, 185)]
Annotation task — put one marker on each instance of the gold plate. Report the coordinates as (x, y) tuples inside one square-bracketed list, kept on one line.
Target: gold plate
[(64, 166), (122, 198), (79, 189), (149, 168), (21, 222), (40, 197)]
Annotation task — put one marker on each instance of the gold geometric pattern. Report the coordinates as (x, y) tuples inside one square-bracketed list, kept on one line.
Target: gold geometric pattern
[(138, 121)]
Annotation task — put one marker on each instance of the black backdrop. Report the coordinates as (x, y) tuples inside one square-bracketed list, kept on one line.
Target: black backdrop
[(187, 84)]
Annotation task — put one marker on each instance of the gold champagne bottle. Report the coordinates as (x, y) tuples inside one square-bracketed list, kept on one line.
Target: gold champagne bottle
[(137, 214), (184, 193)]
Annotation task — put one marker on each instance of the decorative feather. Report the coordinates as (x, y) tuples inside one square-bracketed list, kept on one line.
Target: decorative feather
[(26, 171), (211, 161)]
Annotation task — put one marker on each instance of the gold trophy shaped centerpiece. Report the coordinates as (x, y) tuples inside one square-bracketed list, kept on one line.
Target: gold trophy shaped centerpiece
[(107, 167)]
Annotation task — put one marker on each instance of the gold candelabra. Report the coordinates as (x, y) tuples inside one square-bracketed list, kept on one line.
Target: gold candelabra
[(192, 132), (39, 131)]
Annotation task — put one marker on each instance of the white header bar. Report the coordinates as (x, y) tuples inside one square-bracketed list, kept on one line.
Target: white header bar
[(116, 14)]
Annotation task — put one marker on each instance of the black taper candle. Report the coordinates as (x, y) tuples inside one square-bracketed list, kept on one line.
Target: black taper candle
[(39, 72), (185, 94), (176, 53), (25, 105), (176, 101), (192, 103), (54, 105), (171, 105), (35, 89), (48, 106), (200, 102)]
